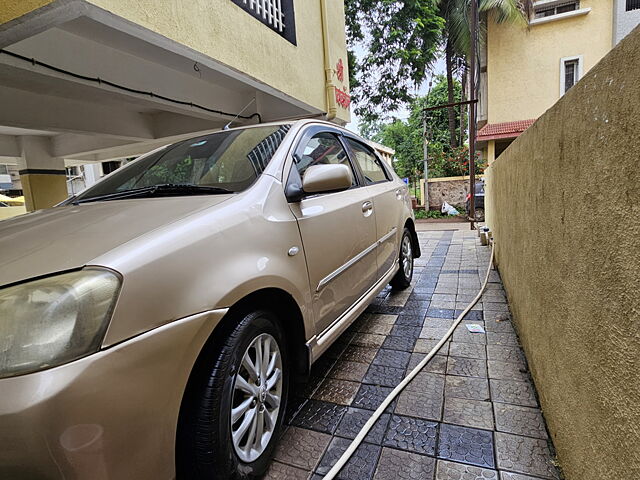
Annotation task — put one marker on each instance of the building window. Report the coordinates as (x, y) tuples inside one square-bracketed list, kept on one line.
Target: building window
[(278, 15), (108, 167), (570, 73), (633, 5), (556, 8)]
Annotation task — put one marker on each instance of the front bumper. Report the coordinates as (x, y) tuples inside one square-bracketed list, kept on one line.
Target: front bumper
[(111, 415)]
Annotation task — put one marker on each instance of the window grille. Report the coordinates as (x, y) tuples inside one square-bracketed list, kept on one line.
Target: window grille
[(275, 14), (558, 8), (570, 74), (633, 5)]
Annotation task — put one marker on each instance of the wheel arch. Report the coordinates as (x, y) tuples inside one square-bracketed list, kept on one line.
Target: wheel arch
[(415, 244)]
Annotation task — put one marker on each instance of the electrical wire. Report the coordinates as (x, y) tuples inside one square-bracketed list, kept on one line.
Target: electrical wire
[(396, 391), (118, 86)]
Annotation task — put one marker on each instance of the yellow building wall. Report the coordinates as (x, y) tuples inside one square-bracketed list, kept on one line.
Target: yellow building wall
[(523, 62), (12, 9), (562, 203), (225, 32)]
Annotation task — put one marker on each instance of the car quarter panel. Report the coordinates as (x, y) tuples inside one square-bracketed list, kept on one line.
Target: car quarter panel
[(210, 260)]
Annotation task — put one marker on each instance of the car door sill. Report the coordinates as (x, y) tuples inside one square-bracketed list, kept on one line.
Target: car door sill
[(319, 343)]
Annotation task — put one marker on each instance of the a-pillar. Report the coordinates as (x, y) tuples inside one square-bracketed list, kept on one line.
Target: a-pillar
[(43, 177)]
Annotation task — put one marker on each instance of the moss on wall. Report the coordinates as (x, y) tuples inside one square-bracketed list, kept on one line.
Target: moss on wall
[(563, 202)]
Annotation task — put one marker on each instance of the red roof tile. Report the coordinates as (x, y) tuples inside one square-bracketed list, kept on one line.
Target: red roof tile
[(495, 131)]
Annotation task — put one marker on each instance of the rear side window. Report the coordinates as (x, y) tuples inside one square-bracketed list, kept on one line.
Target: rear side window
[(370, 165), (322, 149)]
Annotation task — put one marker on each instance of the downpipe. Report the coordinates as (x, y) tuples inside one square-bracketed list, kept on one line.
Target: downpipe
[(396, 391)]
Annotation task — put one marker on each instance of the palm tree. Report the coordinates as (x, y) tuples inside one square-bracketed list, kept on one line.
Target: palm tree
[(457, 39)]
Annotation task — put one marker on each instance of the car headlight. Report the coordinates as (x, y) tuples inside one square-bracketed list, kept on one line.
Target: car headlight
[(54, 320)]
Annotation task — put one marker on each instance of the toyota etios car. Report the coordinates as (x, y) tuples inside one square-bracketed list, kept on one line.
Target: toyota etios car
[(151, 325)]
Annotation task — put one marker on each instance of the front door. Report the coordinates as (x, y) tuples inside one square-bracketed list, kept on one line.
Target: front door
[(338, 233)]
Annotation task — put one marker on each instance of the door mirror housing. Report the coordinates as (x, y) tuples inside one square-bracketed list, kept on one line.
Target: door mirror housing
[(326, 178)]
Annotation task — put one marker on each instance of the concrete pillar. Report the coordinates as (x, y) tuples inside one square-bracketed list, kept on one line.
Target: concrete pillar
[(43, 177), (491, 151)]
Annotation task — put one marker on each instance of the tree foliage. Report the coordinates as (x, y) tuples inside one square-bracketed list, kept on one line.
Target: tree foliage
[(400, 40)]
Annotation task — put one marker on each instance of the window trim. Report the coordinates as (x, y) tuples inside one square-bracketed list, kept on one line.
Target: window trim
[(558, 16), (563, 61), (372, 151)]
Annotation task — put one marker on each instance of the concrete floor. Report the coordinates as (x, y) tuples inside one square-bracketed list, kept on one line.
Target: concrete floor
[(471, 414)]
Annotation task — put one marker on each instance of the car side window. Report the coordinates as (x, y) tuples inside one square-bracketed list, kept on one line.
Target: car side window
[(322, 149), (370, 165)]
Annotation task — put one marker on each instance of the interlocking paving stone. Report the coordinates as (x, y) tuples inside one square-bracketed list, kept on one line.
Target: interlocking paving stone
[(438, 322), (280, 471), (466, 387), (376, 328), (369, 340), (441, 312), (499, 327), (467, 445), (468, 350), (392, 358), (352, 371), (410, 320), (516, 476), (411, 434), (514, 392), (462, 335), (469, 413), (336, 391), (354, 419), (384, 309), (433, 333), (371, 396), (472, 316), (423, 404), (493, 316), (399, 343), (359, 354), (301, 448), (466, 367), (384, 376), (505, 354), (495, 306), (406, 331), (319, 416), (507, 371), (425, 346), (426, 382), (400, 465), (525, 455), (361, 465), (495, 338), (520, 420), (437, 364), (457, 471)]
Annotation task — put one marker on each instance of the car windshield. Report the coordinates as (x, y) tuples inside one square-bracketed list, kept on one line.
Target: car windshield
[(223, 162)]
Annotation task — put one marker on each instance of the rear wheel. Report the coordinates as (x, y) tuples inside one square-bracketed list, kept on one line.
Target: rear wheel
[(403, 276), (237, 403)]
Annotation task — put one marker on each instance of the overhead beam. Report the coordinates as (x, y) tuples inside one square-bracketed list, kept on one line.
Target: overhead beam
[(9, 146), (44, 112)]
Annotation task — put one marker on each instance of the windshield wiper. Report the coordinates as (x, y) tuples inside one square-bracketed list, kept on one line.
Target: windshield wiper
[(163, 189)]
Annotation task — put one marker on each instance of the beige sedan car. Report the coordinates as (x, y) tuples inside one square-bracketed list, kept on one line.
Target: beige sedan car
[(150, 327)]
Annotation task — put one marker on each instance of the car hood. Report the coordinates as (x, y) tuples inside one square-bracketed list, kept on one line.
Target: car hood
[(68, 237)]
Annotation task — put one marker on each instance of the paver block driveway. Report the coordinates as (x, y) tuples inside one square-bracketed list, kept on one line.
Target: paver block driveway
[(472, 413)]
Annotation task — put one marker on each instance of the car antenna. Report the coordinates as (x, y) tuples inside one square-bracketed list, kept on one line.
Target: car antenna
[(226, 127)]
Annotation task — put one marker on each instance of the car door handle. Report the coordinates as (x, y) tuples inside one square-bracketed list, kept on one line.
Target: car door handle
[(367, 208)]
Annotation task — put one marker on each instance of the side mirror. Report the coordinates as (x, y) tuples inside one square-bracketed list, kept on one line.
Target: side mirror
[(326, 178)]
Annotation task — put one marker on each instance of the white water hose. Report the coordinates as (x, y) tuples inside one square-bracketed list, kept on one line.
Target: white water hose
[(396, 391)]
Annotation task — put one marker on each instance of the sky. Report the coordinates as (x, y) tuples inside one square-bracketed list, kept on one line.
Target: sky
[(439, 69)]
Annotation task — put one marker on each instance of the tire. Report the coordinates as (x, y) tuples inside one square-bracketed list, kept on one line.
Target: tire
[(403, 276), (207, 448)]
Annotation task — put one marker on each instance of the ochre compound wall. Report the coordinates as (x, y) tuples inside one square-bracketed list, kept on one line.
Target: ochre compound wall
[(564, 205)]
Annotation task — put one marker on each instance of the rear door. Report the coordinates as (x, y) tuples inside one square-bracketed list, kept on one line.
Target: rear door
[(338, 231), (387, 198)]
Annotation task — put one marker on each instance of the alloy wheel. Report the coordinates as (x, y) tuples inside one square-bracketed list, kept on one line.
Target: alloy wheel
[(407, 257), (257, 396)]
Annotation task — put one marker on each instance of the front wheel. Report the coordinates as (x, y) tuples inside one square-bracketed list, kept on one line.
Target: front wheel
[(237, 403), (402, 278)]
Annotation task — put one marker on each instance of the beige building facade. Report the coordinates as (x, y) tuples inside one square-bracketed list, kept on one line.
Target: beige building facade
[(526, 68), (85, 81)]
